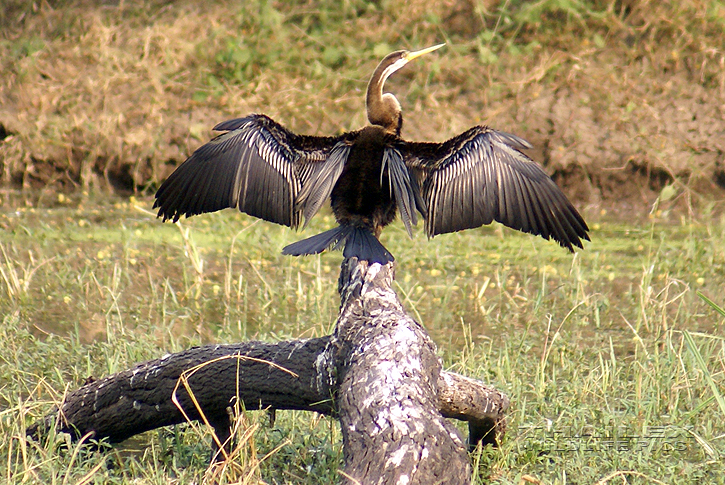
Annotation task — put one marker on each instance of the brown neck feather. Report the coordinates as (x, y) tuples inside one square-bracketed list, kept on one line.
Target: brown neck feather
[(383, 109)]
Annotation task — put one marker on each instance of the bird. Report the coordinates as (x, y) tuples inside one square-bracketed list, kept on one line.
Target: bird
[(370, 175)]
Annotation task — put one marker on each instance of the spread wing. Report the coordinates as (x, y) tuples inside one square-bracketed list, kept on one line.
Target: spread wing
[(259, 167), (481, 176)]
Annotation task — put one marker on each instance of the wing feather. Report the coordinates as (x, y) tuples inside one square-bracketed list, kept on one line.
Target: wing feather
[(257, 166), (402, 187), (481, 176), (320, 179)]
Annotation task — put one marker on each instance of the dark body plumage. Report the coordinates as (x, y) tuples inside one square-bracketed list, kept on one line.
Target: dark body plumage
[(360, 195), (371, 174)]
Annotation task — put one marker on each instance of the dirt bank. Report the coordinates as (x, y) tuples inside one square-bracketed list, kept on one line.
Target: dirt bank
[(619, 105)]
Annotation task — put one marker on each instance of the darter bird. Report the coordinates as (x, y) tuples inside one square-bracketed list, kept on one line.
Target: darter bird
[(267, 171)]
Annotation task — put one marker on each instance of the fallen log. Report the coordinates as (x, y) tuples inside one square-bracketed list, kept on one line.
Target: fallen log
[(378, 374)]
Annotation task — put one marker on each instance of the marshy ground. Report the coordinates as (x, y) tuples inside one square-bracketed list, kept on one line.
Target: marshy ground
[(613, 359)]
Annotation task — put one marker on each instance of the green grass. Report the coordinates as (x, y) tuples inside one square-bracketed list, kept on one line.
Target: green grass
[(613, 341)]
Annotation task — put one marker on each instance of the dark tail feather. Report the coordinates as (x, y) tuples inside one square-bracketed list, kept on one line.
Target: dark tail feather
[(363, 245), (358, 242), (316, 244)]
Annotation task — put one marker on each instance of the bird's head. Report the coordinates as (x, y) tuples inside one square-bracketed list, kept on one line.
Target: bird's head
[(384, 109)]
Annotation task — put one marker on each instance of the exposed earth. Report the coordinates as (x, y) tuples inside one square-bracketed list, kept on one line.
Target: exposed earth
[(620, 114)]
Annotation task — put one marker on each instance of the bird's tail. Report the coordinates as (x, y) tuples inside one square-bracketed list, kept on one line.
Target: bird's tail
[(358, 242)]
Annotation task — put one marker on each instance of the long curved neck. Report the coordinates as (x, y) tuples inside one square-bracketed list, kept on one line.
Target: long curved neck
[(383, 109)]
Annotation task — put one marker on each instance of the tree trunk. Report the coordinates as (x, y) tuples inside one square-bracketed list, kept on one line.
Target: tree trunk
[(378, 373), (386, 388)]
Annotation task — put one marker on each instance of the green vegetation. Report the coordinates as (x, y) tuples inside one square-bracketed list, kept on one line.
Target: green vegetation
[(625, 339), (612, 341)]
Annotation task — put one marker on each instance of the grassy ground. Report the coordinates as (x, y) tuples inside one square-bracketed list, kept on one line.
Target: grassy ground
[(622, 100), (614, 364)]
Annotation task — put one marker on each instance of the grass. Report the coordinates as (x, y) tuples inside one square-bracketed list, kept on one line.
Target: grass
[(612, 343), (621, 340)]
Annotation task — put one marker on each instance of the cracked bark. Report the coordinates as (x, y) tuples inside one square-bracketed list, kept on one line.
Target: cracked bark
[(378, 374)]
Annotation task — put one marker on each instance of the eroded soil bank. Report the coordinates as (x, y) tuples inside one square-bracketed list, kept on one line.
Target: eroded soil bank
[(619, 101)]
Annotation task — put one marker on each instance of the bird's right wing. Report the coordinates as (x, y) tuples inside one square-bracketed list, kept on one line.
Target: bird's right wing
[(259, 167)]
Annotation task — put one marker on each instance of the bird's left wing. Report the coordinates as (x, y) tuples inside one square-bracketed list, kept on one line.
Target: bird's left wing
[(480, 176), (259, 167)]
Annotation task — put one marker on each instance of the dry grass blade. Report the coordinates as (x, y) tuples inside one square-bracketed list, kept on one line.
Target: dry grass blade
[(223, 467)]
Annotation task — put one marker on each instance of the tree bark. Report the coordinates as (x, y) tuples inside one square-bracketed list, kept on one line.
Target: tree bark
[(386, 388), (378, 373)]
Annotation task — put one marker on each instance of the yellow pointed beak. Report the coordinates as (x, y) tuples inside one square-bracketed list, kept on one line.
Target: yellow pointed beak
[(412, 55)]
